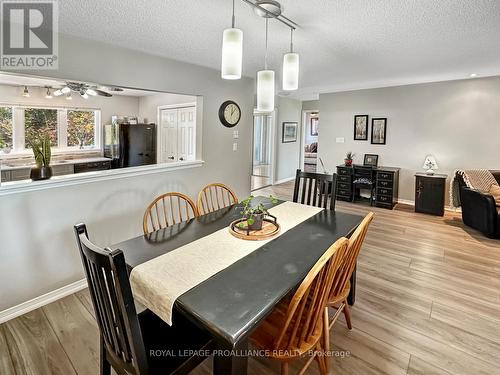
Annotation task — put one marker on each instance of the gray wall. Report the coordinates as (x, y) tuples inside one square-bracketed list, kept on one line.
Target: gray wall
[(37, 249), (287, 154), (457, 121), (310, 105)]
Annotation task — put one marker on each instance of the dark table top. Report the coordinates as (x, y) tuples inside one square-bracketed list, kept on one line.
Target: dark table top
[(232, 302)]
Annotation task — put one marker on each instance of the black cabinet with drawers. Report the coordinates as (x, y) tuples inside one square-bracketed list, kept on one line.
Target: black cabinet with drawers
[(92, 166), (386, 180), (344, 183)]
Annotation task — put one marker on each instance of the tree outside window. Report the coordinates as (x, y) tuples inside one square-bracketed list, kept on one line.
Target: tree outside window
[(5, 127), (81, 128), (40, 123)]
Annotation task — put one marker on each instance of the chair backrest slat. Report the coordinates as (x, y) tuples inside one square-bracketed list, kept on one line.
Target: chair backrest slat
[(166, 210), (111, 295), (349, 263), (305, 311), (211, 198), (316, 189)]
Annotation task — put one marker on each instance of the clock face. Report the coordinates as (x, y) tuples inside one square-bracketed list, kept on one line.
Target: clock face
[(229, 113)]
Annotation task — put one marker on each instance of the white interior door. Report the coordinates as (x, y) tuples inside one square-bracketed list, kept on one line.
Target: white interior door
[(187, 133), (168, 134)]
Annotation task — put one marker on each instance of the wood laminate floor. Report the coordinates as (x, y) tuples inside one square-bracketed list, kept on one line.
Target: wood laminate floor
[(428, 302)]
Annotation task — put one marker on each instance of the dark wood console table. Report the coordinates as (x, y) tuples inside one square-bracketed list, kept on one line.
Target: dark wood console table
[(385, 184)]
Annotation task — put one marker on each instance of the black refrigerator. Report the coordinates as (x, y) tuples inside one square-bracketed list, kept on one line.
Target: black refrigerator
[(130, 145)]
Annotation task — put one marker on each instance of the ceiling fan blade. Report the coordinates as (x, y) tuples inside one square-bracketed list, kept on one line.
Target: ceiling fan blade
[(102, 93)]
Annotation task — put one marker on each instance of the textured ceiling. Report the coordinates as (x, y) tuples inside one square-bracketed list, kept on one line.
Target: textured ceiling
[(344, 44)]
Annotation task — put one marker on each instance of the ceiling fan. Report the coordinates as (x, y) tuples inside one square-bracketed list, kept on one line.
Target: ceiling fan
[(84, 90)]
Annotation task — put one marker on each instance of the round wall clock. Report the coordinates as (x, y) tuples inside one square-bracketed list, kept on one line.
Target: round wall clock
[(229, 113)]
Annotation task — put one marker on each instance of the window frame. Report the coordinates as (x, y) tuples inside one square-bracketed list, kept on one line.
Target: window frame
[(18, 130)]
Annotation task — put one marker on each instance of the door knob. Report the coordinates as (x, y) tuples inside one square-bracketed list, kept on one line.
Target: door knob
[(171, 158), (181, 159)]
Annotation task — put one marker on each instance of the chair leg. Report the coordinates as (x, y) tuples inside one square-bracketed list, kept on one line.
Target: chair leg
[(322, 360), (105, 367), (347, 314), (284, 368), (326, 334)]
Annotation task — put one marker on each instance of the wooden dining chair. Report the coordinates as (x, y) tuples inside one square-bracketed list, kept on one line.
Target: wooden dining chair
[(295, 328), (129, 341), (166, 210), (215, 196), (315, 189), (341, 285)]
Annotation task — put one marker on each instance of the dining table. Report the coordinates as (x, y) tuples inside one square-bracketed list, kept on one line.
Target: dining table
[(231, 303)]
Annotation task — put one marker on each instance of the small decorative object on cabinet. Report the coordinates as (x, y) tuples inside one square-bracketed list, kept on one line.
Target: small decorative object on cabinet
[(229, 114), (361, 127), (348, 159), (370, 160), (430, 193), (430, 164)]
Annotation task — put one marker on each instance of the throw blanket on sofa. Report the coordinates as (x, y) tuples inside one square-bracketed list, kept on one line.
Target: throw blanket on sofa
[(478, 179)]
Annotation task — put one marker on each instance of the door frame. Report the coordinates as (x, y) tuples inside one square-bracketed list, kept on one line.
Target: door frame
[(273, 140), (158, 122), (303, 137)]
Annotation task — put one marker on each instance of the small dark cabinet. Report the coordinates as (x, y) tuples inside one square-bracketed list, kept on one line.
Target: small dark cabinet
[(430, 193)]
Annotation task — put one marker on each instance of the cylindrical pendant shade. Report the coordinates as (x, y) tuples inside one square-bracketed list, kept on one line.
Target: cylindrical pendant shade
[(291, 71), (232, 53), (265, 90)]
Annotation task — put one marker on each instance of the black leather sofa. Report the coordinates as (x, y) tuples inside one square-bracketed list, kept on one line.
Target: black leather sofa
[(479, 210)]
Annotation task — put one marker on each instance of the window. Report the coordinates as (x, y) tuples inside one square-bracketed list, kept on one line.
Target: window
[(40, 123), (81, 128), (5, 127), (68, 129)]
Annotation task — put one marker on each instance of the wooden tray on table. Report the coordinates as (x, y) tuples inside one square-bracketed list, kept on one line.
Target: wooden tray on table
[(270, 228)]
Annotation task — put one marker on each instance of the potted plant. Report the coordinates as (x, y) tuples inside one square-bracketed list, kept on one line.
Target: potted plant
[(254, 215), (348, 158), (42, 153)]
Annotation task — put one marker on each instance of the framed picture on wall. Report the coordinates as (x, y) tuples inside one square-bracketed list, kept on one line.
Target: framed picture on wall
[(361, 127), (289, 132), (379, 131), (314, 126)]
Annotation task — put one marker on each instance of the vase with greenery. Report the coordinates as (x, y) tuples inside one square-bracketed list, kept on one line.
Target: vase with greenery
[(348, 159), (254, 214), (43, 154)]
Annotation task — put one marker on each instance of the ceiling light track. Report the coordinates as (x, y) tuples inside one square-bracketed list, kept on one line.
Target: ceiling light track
[(263, 7)]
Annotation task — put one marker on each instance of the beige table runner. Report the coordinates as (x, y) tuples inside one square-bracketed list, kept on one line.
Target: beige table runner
[(157, 283)]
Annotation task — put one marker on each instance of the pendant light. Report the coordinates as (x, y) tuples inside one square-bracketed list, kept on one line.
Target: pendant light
[(232, 52), (265, 85), (291, 68)]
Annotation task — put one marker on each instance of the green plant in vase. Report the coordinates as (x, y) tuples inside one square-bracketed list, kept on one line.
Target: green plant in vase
[(348, 158), (254, 214), (43, 154)]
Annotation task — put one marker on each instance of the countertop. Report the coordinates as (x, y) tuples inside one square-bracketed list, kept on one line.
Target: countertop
[(5, 165)]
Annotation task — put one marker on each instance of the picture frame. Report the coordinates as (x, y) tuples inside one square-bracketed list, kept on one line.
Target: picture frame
[(289, 132), (370, 160), (361, 127), (379, 131), (314, 126)]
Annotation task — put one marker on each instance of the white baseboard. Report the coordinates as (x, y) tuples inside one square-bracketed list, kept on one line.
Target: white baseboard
[(284, 180), (42, 300)]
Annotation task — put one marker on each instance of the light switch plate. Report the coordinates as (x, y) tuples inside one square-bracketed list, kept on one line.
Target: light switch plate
[(236, 134), (340, 140), (235, 146)]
